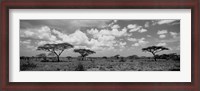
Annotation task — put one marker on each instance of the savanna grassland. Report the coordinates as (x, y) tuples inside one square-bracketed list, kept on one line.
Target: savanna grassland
[(98, 64)]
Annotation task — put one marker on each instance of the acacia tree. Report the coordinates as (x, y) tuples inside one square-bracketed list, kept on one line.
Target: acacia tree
[(56, 49), (154, 50), (117, 56), (42, 55), (84, 52)]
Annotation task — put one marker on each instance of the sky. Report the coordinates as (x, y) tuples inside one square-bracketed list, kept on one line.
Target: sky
[(105, 37)]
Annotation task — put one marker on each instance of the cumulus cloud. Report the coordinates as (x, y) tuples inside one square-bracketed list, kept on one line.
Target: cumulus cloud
[(43, 33), (162, 32), (122, 44), (115, 21), (136, 44), (132, 39), (131, 26), (134, 28), (78, 37), (115, 26), (160, 22), (162, 36), (173, 34), (176, 39), (101, 40), (142, 30), (140, 42), (161, 44), (114, 32), (105, 38)]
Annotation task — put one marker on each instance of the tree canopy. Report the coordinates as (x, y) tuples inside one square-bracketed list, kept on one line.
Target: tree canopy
[(57, 49), (84, 52), (42, 55), (154, 50)]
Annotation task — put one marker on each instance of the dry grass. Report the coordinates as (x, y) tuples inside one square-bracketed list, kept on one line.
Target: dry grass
[(101, 65)]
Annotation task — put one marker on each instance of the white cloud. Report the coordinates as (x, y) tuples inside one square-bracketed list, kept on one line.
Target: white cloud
[(173, 34), (43, 33), (78, 37), (170, 40), (175, 23), (132, 39), (118, 33), (105, 39), (134, 28), (142, 30), (115, 26), (140, 42), (122, 44), (131, 26), (115, 21), (102, 39), (136, 44), (28, 33), (162, 32), (114, 32), (160, 22), (161, 44), (162, 36)]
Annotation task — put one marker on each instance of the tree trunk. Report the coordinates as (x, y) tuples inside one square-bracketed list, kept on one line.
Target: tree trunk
[(44, 58), (154, 55), (58, 58), (83, 57)]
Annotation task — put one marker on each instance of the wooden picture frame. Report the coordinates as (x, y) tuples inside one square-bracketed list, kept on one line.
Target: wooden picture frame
[(100, 4)]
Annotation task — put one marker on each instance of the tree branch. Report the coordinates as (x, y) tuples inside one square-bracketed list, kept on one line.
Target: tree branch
[(61, 52)]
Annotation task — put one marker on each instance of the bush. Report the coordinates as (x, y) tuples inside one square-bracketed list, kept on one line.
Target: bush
[(69, 57), (104, 57), (80, 67), (122, 60), (45, 61), (27, 65)]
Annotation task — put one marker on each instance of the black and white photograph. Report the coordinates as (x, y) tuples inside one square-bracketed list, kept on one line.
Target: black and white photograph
[(99, 44)]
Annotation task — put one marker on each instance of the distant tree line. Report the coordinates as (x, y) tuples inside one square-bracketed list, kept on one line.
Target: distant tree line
[(55, 50)]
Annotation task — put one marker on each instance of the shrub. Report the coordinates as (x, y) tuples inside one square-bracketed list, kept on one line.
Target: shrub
[(69, 57), (104, 57), (45, 61), (122, 60), (27, 65), (80, 67)]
